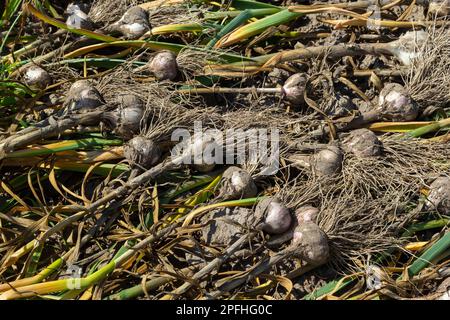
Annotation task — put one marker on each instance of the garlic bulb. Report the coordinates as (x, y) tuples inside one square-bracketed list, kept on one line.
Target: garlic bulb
[(142, 151), (237, 183), (164, 65), (439, 195), (36, 78), (83, 97), (274, 217), (294, 88), (203, 151), (310, 243), (328, 161), (302, 214), (363, 143), (395, 103), (133, 24), (126, 119), (77, 18)]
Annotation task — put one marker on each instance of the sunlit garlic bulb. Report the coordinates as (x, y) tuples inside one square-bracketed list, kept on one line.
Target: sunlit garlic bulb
[(310, 243), (164, 65), (126, 119), (363, 143), (274, 216), (83, 97), (142, 151), (303, 214), (133, 24), (36, 78), (396, 104), (203, 150), (328, 161), (77, 18), (237, 183)]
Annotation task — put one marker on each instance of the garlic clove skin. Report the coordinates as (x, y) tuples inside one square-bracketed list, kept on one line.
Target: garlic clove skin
[(236, 184), (77, 18), (36, 77), (439, 195), (395, 103), (310, 243), (328, 162), (142, 151), (274, 216), (83, 97), (363, 143), (294, 88), (164, 66), (133, 24)]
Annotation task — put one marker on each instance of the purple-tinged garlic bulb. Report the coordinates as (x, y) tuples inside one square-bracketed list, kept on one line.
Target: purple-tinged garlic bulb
[(294, 88), (237, 183), (302, 214), (36, 78), (439, 195), (273, 215), (310, 244), (363, 143), (164, 66), (142, 151), (396, 104), (133, 24)]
